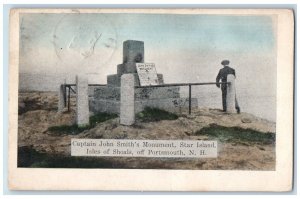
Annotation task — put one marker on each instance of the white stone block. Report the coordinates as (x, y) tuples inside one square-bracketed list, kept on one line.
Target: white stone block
[(61, 98), (127, 114), (82, 101), (230, 97)]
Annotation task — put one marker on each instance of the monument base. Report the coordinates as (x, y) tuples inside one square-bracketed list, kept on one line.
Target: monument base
[(113, 93), (107, 99), (174, 105)]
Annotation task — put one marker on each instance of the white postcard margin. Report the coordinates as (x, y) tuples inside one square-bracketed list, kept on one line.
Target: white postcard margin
[(165, 180)]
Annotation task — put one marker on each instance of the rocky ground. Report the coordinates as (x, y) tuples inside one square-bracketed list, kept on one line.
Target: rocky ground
[(38, 146)]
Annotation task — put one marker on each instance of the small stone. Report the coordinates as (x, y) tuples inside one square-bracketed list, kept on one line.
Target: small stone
[(261, 148), (21, 105), (246, 120), (187, 133), (191, 116)]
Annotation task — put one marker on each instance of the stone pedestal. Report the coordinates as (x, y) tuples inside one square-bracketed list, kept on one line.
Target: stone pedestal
[(82, 101), (230, 96), (133, 52)]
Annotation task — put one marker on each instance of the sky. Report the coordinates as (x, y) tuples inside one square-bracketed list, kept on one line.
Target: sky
[(92, 43)]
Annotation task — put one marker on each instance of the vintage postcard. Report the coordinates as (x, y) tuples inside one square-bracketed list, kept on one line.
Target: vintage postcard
[(151, 99)]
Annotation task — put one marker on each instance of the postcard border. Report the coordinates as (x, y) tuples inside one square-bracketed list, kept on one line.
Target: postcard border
[(172, 180)]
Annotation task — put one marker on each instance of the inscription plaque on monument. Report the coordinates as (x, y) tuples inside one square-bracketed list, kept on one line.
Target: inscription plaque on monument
[(147, 74)]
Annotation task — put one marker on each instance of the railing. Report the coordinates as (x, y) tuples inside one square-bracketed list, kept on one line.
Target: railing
[(69, 86), (184, 84)]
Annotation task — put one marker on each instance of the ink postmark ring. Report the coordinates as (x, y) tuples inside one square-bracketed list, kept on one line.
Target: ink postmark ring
[(84, 40)]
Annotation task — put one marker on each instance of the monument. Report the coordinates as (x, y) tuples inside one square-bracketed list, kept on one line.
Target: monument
[(107, 98)]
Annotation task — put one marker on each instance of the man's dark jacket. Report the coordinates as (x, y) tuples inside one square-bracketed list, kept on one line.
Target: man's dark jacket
[(223, 75)]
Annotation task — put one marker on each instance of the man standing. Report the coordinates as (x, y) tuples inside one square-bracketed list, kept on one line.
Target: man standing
[(226, 70)]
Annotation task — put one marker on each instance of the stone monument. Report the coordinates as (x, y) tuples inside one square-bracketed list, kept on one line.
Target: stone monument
[(107, 98)]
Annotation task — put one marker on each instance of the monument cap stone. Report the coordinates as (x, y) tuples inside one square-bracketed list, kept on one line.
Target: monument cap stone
[(133, 51)]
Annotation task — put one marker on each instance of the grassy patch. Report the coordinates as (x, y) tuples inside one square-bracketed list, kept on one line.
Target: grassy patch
[(154, 114), (75, 129), (28, 157), (101, 117), (237, 135), (68, 129)]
